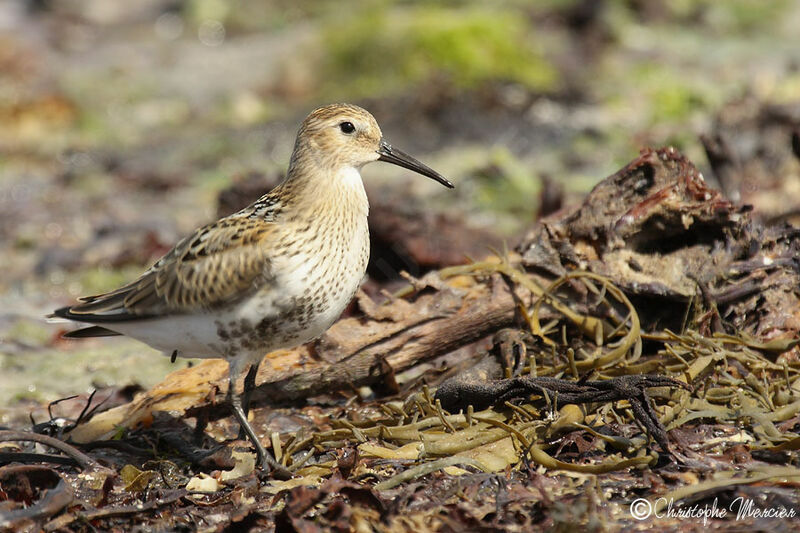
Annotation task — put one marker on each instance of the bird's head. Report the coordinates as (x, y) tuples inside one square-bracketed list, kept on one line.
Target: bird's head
[(338, 136)]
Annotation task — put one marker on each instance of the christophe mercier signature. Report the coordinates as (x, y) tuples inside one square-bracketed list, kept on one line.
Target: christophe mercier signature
[(742, 508)]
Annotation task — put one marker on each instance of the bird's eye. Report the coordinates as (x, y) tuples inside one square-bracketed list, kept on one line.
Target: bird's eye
[(347, 127)]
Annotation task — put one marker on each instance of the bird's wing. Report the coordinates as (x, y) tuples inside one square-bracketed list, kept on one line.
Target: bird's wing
[(218, 264)]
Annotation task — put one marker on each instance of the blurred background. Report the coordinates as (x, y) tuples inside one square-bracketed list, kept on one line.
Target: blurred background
[(125, 125)]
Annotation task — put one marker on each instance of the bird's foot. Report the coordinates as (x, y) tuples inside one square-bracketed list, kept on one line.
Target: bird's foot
[(273, 469)]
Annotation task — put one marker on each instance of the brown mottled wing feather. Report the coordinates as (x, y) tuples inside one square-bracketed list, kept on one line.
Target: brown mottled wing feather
[(218, 264)]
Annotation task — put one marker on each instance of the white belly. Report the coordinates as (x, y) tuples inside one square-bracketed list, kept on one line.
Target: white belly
[(309, 293)]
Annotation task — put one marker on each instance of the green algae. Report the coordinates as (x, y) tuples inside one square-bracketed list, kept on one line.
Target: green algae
[(101, 279), (383, 49), (507, 185), (46, 374)]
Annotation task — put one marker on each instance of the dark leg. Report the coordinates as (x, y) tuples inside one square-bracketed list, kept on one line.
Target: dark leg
[(200, 426), (249, 386), (264, 459)]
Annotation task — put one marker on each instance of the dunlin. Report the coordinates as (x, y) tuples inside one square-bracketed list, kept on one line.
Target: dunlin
[(274, 275)]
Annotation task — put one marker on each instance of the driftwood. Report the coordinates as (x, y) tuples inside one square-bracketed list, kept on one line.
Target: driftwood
[(355, 351), (664, 237), (655, 229)]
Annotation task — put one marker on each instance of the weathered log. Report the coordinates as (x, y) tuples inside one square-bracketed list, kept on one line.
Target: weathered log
[(654, 228), (390, 337)]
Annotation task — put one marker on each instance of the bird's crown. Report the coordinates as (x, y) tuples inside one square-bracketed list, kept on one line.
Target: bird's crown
[(339, 135)]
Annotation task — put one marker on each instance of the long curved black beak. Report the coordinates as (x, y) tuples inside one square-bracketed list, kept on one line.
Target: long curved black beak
[(402, 159)]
